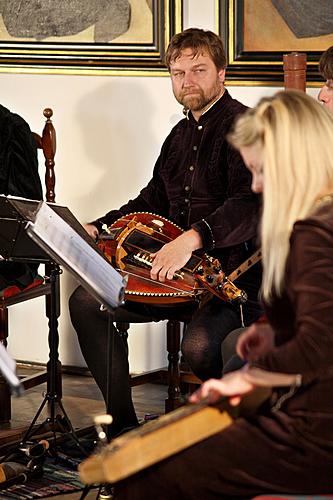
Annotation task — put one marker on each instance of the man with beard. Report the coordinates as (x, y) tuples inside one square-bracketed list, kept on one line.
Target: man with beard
[(201, 183)]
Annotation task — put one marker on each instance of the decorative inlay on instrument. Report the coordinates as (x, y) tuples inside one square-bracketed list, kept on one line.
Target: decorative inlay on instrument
[(128, 244)]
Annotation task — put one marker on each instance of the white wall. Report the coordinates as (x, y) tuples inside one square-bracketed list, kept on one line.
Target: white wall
[(109, 131)]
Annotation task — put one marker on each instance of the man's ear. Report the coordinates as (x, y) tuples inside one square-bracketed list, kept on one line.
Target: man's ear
[(221, 74)]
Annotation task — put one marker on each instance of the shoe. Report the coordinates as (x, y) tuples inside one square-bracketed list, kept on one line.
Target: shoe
[(105, 492)]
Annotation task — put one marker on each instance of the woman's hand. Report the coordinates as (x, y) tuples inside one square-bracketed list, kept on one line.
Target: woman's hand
[(256, 341), (238, 383), (174, 255), (234, 384)]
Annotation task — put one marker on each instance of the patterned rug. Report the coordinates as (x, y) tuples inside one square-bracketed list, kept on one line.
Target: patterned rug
[(57, 478), (293, 497)]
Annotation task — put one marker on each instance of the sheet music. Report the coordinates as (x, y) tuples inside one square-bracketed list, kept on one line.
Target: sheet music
[(66, 247)]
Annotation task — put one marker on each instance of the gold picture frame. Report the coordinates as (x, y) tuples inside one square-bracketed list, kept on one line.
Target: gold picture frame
[(248, 25), (138, 51)]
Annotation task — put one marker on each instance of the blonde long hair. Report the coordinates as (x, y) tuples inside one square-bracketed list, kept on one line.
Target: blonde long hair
[(295, 135)]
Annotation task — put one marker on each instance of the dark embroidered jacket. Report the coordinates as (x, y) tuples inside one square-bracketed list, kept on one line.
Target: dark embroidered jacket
[(200, 181)]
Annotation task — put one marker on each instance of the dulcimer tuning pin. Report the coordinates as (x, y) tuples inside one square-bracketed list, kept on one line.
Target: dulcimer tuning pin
[(106, 228), (200, 271)]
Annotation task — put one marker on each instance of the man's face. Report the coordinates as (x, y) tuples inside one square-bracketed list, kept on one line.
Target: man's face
[(326, 95), (196, 82)]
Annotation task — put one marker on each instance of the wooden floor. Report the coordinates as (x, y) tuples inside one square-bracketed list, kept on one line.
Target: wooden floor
[(82, 401)]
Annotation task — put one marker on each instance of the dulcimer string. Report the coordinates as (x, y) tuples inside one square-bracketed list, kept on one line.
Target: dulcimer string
[(150, 280)]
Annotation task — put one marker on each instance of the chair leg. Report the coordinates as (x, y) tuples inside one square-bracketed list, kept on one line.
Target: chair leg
[(5, 402), (173, 348)]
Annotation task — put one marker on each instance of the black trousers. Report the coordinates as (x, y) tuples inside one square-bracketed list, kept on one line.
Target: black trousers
[(206, 329)]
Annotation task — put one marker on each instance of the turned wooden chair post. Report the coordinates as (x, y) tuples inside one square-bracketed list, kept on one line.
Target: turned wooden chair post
[(173, 347), (48, 143), (294, 67)]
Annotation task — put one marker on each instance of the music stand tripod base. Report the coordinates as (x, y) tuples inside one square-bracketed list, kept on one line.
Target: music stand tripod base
[(56, 422)]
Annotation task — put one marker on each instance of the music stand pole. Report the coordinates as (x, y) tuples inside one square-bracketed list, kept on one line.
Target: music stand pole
[(54, 388), (109, 369), (53, 395)]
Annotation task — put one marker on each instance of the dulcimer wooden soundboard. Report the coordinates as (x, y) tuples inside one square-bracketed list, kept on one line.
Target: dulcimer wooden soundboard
[(161, 438)]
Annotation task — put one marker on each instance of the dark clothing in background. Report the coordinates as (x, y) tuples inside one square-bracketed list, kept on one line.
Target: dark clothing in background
[(18, 177), (289, 451), (199, 181)]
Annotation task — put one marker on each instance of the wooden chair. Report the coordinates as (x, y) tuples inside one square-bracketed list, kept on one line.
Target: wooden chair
[(47, 143), (173, 375), (178, 374)]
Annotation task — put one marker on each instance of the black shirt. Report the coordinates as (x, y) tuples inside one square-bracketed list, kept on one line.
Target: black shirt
[(200, 181)]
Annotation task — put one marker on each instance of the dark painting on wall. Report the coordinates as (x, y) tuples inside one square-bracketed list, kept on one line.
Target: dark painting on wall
[(87, 36), (257, 33)]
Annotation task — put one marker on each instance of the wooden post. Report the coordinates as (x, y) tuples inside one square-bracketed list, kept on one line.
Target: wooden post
[(294, 67)]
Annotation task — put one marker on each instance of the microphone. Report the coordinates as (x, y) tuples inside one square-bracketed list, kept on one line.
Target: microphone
[(34, 450), (12, 473), (16, 473), (9, 470)]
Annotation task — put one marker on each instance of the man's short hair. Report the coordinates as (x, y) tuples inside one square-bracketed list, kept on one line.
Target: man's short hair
[(326, 64), (199, 40)]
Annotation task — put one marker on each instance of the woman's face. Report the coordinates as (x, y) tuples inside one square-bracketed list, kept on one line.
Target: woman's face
[(252, 156)]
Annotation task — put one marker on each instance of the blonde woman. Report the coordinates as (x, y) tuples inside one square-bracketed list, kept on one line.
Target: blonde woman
[(287, 447)]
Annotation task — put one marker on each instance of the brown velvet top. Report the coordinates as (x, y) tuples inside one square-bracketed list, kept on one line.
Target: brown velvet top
[(302, 319)]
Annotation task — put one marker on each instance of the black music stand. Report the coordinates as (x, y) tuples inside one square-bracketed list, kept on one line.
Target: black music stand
[(44, 232)]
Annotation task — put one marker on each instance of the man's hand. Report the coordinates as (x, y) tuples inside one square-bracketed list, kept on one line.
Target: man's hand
[(174, 255), (256, 341), (91, 230)]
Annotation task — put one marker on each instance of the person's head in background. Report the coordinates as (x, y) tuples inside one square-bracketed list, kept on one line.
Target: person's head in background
[(196, 61), (286, 142), (326, 70)]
